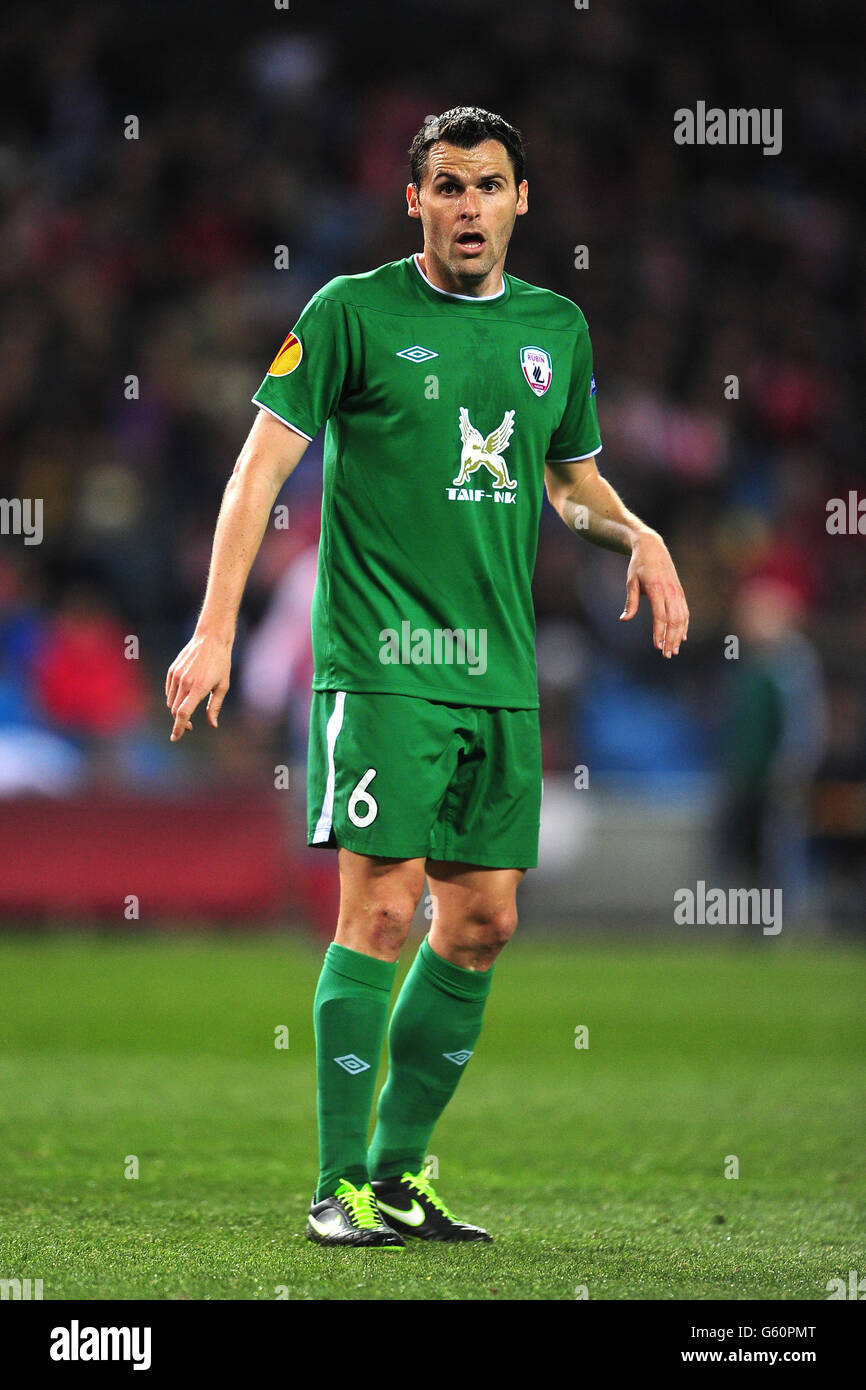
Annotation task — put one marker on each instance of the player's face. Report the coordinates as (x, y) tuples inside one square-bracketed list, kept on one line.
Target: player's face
[(467, 205)]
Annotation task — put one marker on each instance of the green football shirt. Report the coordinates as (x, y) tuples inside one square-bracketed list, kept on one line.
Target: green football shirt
[(440, 410)]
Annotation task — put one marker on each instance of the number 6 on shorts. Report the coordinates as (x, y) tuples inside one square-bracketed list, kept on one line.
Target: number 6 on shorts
[(360, 793)]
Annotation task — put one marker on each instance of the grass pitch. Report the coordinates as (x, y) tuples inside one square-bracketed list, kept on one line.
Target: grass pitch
[(598, 1168)]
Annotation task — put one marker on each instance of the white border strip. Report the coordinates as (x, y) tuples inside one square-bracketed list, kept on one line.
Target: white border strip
[(287, 423), (449, 294), (335, 724), (579, 457)]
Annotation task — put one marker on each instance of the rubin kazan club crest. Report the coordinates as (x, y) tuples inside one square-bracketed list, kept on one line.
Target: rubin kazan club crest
[(537, 368), (479, 452)]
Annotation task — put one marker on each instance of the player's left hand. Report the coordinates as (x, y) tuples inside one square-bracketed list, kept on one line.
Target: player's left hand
[(651, 571)]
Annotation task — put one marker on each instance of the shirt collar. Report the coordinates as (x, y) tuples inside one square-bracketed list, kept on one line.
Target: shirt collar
[(472, 298)]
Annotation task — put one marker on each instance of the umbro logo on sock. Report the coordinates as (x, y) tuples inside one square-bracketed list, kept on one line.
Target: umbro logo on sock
[(351, 1063), (458, 1058)]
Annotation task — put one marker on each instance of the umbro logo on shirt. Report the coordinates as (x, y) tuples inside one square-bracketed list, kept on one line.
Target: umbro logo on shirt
[(417, 354)]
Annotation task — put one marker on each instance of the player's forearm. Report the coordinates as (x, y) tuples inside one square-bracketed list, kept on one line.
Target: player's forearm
[(595, 511), (246, 506)]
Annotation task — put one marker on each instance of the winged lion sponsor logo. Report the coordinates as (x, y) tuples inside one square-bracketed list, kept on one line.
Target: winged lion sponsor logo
[(479, 452)]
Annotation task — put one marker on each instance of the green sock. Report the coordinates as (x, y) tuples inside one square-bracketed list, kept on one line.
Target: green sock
[(434, 1028), (350, 1015)]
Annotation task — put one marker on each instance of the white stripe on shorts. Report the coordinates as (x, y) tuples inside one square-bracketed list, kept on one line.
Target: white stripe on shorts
[(335, 724)]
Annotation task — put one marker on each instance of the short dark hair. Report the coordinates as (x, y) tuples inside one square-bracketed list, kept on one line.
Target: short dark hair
[(466, 127)]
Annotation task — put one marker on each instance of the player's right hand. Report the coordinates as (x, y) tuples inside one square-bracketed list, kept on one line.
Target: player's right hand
[(202, 668)]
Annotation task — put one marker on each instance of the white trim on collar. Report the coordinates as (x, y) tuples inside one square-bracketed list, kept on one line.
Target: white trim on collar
[(475, 298)]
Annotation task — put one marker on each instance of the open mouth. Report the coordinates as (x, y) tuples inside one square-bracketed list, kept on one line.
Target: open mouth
[(471, 241)]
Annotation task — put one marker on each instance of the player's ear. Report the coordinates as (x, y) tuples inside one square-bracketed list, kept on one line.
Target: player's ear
[(522, 197), (413, 209)]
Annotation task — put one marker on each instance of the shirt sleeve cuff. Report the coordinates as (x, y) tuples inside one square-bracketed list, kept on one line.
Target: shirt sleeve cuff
[(577, 457), (287, 423)]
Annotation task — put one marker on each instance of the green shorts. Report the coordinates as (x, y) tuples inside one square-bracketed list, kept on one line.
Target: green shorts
[(404, 777)]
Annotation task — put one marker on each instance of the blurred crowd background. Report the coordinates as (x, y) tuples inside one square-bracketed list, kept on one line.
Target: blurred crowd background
[(153, 258)]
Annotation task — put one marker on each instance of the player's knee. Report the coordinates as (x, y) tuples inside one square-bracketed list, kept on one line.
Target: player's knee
[(390, 919), (497, 926), (381, 927)]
